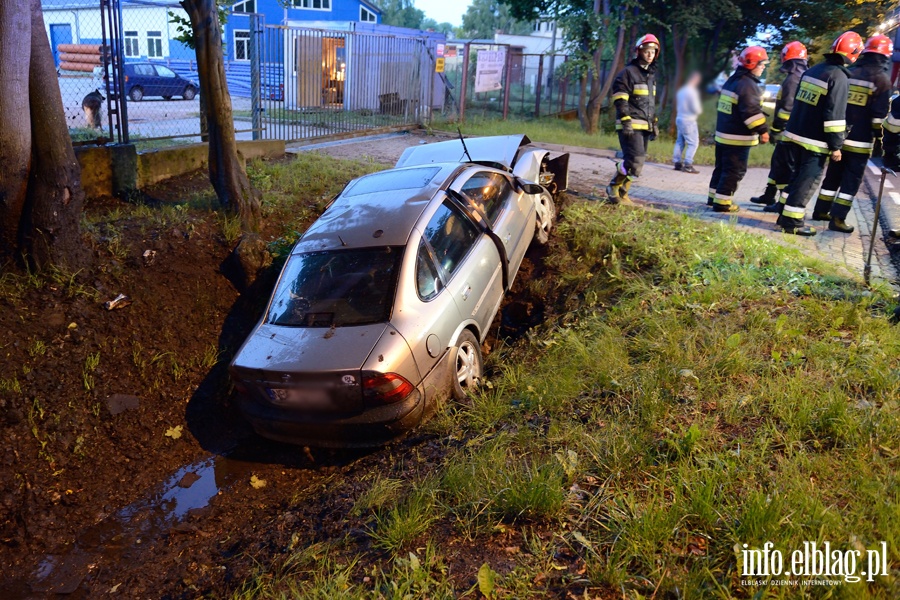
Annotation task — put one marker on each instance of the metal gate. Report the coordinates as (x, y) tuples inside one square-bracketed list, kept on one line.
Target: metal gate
[(315, 83)]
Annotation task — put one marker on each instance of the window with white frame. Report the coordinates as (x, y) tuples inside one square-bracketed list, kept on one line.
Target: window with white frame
[(313, 4), (154, 44), (247, 6), (241, 45), (366, 15), (132, 48)]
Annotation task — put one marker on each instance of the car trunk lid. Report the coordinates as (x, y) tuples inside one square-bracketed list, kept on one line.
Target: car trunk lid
[(307, 369)]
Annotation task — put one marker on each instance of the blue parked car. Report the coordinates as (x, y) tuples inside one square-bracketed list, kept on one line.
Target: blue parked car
[(147, 79)]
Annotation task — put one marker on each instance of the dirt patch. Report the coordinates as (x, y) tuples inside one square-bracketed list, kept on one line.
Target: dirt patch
[(126, 469)]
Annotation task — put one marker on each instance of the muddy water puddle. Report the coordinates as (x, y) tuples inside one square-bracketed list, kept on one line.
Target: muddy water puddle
[(185, 493)]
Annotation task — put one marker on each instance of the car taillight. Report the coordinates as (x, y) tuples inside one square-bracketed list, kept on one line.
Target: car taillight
[(385, 388)]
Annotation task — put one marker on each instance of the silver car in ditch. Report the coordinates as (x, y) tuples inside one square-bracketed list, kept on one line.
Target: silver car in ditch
[(381, 308)]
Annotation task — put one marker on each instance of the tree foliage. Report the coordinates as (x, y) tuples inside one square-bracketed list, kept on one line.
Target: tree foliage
[(484, 18)]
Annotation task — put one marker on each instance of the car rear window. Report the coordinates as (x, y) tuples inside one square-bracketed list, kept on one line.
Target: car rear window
[(336, 288), (386, 181)]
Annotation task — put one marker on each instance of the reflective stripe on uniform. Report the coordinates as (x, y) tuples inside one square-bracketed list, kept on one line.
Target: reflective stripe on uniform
[(861, 83), (641, 89), (815, 82), (892, 124), (827, 194), (835, 126), (722, 200), (732, 139), (712, 193), (770, 181), (793, 212), (858, 147), (783, 114), (730, 95), (808, 143), (620, 96), (844, 200), (636, 124), (755, 121)]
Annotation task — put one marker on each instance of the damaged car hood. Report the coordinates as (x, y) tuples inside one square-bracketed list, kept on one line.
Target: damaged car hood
[(496, 150)]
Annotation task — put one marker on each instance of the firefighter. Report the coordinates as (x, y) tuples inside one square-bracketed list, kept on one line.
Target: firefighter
[(793, 64), (634, 95), (892, 138), (817, 128), (867, 106), (740, 124)]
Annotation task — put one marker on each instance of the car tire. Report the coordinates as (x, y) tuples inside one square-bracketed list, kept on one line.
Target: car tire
[(167, 97), (545, 218), (467, 365), (136, 94), (189, 93)]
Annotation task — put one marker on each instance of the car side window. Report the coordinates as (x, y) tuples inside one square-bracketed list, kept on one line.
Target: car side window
[(451, 236), (164, 71), (144, 70), (488, 191), (428, 282)]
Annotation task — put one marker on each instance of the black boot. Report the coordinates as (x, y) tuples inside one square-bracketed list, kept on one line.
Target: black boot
[(775, 207), (768, 196), (805, 231)]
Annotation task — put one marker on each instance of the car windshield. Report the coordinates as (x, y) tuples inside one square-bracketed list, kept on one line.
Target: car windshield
[(386, 181), (336, 288)]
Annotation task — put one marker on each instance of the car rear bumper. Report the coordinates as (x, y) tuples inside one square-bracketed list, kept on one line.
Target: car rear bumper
[(372, 427)]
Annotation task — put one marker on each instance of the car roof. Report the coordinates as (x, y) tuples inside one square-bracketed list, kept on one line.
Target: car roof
[(385, 217)]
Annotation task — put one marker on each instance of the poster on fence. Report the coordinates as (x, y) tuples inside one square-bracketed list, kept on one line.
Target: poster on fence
[(489, 70)]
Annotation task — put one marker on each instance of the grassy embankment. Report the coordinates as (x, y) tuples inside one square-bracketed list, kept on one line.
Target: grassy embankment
[(713, 389)]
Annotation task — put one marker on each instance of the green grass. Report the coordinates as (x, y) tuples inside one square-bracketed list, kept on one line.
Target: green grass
[(711, 389), (556, 131)]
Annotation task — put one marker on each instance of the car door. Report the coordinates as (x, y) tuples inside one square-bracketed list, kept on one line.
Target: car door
[(144, 76), (169, 84), (468, 262), (511, 214)]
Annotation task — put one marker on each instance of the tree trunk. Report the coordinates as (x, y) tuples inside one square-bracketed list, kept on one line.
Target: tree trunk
[(50, 231), (226, 171), (15, 120)]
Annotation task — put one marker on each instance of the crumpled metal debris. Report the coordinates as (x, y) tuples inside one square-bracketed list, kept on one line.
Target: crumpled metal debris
[(120, 301)]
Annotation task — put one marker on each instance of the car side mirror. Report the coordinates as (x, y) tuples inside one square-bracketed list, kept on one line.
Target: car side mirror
[(529, 187)]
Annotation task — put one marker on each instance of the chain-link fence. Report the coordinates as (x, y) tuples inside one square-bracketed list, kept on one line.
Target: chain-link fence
[(500, 81), (126, 74)]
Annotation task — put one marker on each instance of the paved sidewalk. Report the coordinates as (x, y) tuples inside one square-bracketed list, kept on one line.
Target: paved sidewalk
[(662, 187)]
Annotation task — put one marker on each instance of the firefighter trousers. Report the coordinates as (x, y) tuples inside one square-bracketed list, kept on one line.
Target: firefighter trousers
[(731, 166), (634, 150), (781, 168), (809, 167), (841, 184)]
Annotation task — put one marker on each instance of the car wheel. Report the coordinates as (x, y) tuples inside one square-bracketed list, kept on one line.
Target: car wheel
[(167, 97), (136, 94), (189, 93), (467, 365), (545, 218)]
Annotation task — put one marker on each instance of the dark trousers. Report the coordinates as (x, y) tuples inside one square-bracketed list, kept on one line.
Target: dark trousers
[(809, 167), (731, 166), (634, 149), (841, 184), (782, 166)]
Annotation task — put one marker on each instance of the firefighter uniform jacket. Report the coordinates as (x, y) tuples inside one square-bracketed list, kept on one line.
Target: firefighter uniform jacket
[(868, 101), (740, 118), (634, 95), (784, 103), (818, 120), (892, 137)]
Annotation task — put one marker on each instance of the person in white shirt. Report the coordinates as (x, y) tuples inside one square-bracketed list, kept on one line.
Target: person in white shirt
[(688, 108)]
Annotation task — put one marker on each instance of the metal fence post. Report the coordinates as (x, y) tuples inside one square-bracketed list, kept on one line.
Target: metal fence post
[(538, 90), (255, 104), (506, 77), (464, 85)]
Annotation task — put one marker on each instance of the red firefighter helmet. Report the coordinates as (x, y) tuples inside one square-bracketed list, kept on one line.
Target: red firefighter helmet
[(751, 56), (849, 45), (879, 44), (793, 50), (644, 40)]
